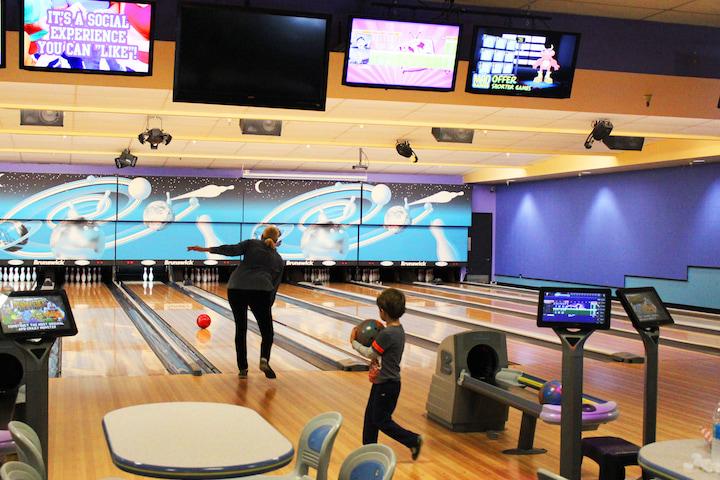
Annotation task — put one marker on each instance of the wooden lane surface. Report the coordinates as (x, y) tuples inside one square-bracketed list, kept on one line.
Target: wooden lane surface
[(600, 340), (687, 396), (216, 343), (336, 332), (107, 343), (688, 336), (414, 324)]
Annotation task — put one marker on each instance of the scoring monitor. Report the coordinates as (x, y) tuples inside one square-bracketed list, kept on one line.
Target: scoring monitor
[(583, 308), (36, 314)]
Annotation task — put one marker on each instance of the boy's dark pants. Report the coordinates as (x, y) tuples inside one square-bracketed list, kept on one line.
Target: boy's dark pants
[(378, 416)]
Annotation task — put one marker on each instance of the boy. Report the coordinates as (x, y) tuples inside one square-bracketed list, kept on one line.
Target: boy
[(385, 353)]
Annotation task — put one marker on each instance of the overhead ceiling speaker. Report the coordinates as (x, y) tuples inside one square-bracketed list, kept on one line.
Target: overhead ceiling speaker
[(261, 127), (42, 118), (453, 135)]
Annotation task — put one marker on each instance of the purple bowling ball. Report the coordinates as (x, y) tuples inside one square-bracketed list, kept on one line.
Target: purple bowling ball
[(551, 393)]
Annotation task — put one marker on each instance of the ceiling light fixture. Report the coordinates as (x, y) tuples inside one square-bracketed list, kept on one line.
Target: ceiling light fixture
[(154, 136), (601, 131), (405, 150), (125, 159)]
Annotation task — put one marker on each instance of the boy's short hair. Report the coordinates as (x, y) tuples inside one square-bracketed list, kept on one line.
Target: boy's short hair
[(392, 301)]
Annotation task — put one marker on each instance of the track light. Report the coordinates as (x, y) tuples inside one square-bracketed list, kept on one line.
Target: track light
[(125, 159), (154, 136), (601, 131), (405, 150)]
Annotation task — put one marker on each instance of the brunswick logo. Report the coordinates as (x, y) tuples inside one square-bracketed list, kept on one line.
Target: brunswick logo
[(178, 262), (413, 264), (49, 262), (305, 263)]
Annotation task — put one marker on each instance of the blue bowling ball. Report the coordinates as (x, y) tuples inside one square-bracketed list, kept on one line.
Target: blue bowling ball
[(551, 393)]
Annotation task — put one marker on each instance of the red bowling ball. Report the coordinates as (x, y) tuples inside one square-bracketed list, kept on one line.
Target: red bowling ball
[(204, 320)]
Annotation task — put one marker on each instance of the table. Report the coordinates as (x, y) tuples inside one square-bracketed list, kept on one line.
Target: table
[(194, 440), (665, 459)]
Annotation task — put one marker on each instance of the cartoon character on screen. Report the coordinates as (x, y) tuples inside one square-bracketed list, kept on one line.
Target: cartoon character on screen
[(546, 64), (359, 53)]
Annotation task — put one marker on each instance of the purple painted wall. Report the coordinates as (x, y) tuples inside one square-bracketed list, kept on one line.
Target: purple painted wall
[(597, 229)]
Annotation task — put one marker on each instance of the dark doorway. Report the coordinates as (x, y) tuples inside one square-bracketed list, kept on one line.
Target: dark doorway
[(480, 254)]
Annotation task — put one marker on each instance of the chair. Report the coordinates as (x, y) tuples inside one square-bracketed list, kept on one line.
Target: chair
[(612, 454), (18, 471), (28, 446), (543, 474), (314, 448), (369, 462)]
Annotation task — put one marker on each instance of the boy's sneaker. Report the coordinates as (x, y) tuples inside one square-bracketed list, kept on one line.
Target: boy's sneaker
[(265, 367), (415, 451), (243, 373)]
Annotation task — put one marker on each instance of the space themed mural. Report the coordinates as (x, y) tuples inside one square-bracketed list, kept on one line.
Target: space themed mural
[(106, 218)]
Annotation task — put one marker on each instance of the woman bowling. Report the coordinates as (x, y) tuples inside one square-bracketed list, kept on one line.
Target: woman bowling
[(253, 284)]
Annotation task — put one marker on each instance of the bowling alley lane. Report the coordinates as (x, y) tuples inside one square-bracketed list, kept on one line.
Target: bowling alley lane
[(413, 324), (107, 343), (600, 340), (670, 333), (333, 331), (216, 342)]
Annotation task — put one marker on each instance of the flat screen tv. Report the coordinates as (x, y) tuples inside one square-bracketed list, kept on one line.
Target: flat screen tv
[(582, 308), (88, 36), (409, 55), (2, 33), (233, 55), (530, 63), (36, 314), (644, 307)]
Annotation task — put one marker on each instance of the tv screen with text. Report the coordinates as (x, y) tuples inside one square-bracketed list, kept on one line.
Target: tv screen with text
[(88, 36), (507, 61)]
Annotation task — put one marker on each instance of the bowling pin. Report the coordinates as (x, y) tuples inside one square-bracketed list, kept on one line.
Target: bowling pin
[(151, 276), (445, 252), (145, 275), (77, 275), (16, 275), (366, 276), (34, 274), (211, 240), (22, 274)]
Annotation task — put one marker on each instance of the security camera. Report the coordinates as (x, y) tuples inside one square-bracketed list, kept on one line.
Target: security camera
[(154, 136)]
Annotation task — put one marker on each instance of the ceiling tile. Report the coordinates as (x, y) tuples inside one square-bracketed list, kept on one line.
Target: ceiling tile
[(308, 131), (375, 134), (266, 149), (349, 153), (595, 9), (45, 157), (204, 147), (690, 18), (700, 6)]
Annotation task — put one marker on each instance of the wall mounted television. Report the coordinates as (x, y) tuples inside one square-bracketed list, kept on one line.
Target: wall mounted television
[(530, 63), (2, 33), (406, 55), (88, 36), (232, 55)]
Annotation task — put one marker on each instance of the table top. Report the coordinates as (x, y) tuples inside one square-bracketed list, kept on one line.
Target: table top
[(665, 459), (194, 439)]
